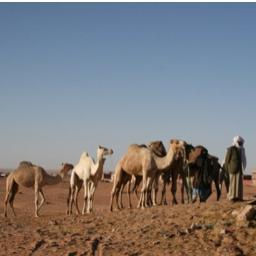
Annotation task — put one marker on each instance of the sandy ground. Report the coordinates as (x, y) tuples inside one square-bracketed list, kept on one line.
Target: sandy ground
[(189, 229)]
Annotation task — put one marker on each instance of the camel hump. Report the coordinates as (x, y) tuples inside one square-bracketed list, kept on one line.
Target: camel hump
[(215, 158), (202, 148), (136, 146), (25, 164)]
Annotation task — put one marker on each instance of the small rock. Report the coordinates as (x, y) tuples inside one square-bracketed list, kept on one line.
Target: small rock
[(53, 222), (154, 216), (72, 254), (223, 231), (235, 213), (195, 226), (156, 242), (217, 242), (181, 232), (37, 244), (248, 213), (208, 226)]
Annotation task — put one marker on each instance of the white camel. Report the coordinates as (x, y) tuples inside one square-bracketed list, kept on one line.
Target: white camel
[(88, 173)]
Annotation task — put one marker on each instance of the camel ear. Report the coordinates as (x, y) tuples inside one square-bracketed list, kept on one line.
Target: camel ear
[(100, 146), (172, 141), (62, 164)]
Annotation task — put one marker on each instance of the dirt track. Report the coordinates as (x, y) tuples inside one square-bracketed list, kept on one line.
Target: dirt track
[(198, 229)]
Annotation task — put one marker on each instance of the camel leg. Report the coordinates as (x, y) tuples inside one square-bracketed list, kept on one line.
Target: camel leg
[(36, 200), (174, 186), (116, 186), (72, 199), (163, 195), (9, 185), (141, 202), (41, 193), (77, 190), (6, 201), (217, 186), (114, 193), (148, 201), (182, 189), (86, 188), (155, 188), (68, 200), (188, 186), (117, 195), (120, 194), (91, 197), (129, 193), (10, 197), (138, 180)]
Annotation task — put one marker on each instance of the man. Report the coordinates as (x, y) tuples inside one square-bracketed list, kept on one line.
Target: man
[(235, 162)]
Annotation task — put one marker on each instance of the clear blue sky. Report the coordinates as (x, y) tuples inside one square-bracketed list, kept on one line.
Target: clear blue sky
[(73, 76)]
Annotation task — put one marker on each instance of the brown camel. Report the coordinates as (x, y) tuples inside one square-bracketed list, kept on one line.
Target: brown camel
[(197, 158), (30, 175), (142, 161), (174, 172), (122, 178)]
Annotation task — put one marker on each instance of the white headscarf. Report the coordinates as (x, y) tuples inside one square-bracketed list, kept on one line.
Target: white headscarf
[(236, 140)]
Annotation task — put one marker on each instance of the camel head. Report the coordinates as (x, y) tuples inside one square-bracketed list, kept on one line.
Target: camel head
[(158, 148), (178, 148), (102, 151), (65, 168), (200, 154), (195, 155)]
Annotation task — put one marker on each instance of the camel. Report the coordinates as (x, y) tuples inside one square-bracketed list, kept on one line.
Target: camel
[(197, 157), (224, 177), (174, 172), (122, 178), (88, 173), (30, 175), (142, 161)]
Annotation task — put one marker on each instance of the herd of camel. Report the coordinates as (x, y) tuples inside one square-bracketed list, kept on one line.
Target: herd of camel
[(141, 163)]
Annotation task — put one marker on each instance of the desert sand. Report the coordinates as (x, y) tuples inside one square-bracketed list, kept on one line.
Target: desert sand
[(190, 229)]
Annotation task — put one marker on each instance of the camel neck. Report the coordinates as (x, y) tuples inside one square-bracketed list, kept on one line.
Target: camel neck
[(98, 167), (52, 180), (162, 163)]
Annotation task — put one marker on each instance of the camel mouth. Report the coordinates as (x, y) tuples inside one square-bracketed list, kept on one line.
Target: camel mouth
[(108, 152)]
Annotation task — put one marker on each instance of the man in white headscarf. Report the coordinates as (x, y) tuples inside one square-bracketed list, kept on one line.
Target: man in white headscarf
[(235, 162)]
